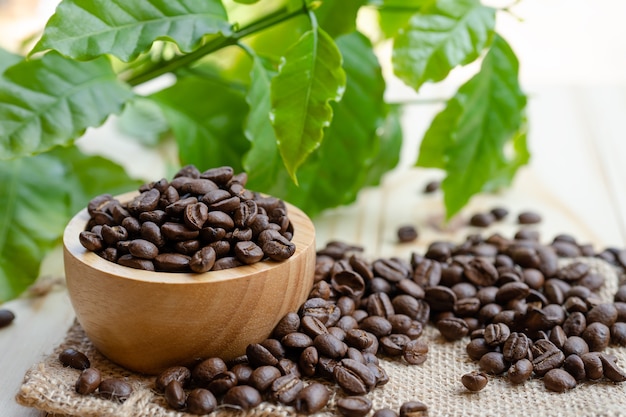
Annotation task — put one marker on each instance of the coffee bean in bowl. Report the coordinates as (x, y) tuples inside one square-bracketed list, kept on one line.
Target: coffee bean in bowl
[(148, 319)]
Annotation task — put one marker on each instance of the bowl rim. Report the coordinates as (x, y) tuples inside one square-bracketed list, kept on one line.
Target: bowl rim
[(303, 237)]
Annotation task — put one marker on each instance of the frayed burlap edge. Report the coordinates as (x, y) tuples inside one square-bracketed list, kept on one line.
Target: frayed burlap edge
[(48, 386)]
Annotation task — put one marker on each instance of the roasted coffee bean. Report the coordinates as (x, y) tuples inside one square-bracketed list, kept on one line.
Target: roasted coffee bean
[(477, 347), (611, 370), (415, 352), (496, 333), (558, 337), (136, 263), (413, 409), (597, 336), (575, 324), (91, 241), (604, 313), (248, 252), (575, 345), (499, 212), (6, 317), (376, 325), (618, 334), (348, 282), (115, 389), (88, 381), (440, 298), (220, 175), (575, 366), (222, 383), (479, 271), (453, 328), (528, 217), (195, 215), (286, 388), (379, 304), (427, 273), (559, 380), (393, 345), (493, 363), (258, 355), (359, 339), (203, 260), (204, 372), (243, 371), (296, 341), (263, 377), (312, 398), (150, 231), (593, 365), (573, 271), (379, 373), (390, 269), (520, 371), (329, 346), (74, 359), (482, 219), (175, 395), (474, 381), (141, 248), (145, 201), (243, 397), (279, 248), (354, 406), (407, 233), (181, 374), (172, 262), (288, 324), (385, 412), (187, 247), (516, 347)]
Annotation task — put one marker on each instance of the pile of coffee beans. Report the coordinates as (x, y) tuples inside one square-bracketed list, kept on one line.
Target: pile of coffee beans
[(6, 317), (198, 221), (90, 379)]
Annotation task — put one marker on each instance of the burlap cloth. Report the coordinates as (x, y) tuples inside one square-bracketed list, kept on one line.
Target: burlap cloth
[(50, 387)]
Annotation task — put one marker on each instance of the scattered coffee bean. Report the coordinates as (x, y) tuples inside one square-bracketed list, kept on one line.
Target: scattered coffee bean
[(413, 409), (88, 381), (559, 380), (354, 406), (432, 186), (175, 395), (115, 389), (181, 374), (201, 401), (6, 317), (243, 397), (312, 398), (482, 219), (407, 233), (74, 359), (529, 217), (474, 381)]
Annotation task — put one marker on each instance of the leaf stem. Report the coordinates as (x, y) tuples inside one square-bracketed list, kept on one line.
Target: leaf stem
[(164, 67)]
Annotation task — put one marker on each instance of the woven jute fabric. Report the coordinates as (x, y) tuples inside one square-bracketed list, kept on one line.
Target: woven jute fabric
[(49, 386)]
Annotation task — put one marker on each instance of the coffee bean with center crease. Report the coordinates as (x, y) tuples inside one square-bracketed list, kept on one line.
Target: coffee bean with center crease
[(243, 397), (479, 271), (330, 346), (286, 388), (181, 374), (415, 352), (74, 359), (354, 406), (222, 383), (204, 372), (203, 260), (611, 370), (474, 381), (453, 328), (115, 389), (390, 269), (354, 377)]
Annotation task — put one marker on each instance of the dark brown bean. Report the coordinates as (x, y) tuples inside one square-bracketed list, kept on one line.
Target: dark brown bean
[(175, 395), (354, 406), (474, 381), (413, 409), (74, 359), (88, 381), (520, 371), (181, 374), (115, 389), (558, 380), (312, 398), (285, 389), (205, 371)]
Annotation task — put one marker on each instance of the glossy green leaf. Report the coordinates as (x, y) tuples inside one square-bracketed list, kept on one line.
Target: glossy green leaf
[(85, 29), (338, 17), (143, 120), (394, 15), (348, 155), (442, 36), (206, 118), (481, 130), (309, 77), (51, 101), (262, 162), (390, 137), (39, 195), (8, 59)]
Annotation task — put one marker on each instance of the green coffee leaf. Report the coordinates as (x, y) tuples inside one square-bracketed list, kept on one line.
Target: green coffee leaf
[(389, 146), (262, 162), (309, 76), (87, 29), (394, 15), (51, 101), (206, 117), (8, 59), (143, 120), (440, 37), (39, 195), (481, 131), (245, 1), (338, 17), (345, 160)]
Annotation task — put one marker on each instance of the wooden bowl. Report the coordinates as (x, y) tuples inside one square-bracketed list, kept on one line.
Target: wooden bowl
[(147, 321)]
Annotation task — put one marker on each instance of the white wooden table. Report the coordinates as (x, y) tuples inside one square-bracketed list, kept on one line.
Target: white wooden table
[(576, 181)]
